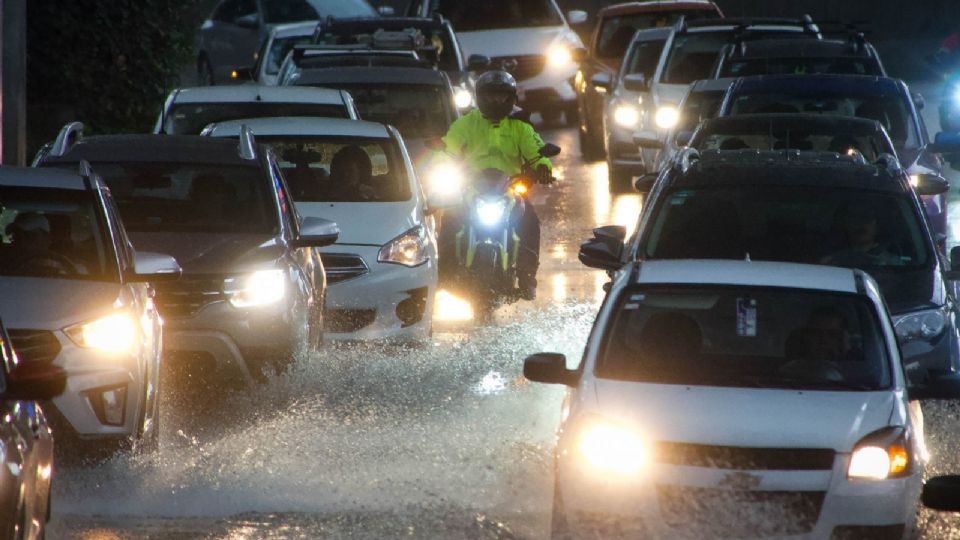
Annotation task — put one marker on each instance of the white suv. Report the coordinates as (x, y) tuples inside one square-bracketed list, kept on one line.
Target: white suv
[(738, 399)]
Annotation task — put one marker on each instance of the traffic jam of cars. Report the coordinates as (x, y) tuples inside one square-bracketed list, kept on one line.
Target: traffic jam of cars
[(775, 318)]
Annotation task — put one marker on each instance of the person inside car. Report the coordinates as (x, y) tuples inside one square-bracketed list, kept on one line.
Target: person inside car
[(351, 172), (820, 347), (859, 234), (31, 248)]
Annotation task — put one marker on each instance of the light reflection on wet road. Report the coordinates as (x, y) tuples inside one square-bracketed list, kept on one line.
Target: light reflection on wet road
[(444, 442)]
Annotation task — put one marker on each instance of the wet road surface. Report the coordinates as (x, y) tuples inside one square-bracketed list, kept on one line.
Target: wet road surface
[(443, 442)]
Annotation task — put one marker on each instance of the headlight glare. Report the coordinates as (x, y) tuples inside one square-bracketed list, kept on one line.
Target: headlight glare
[(490, 212), (881, 455), (612, 449), (462, 98), (626, 115), (445, 179), (667, 117), (921, 325), (115, 333), (559, 55), (260, 288), (869, 463), (408, 249)]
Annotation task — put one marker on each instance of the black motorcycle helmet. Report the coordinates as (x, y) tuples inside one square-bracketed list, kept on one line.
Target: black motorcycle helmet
[(496, 95)]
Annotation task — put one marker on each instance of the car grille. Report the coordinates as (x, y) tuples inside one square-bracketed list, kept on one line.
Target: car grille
[(343, 321), (718, 513), (522, 67), (35, 345), (188, 295), (743, 458), (341, 266)]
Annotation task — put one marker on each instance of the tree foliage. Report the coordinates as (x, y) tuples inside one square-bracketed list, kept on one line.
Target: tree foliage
[(111, 62)]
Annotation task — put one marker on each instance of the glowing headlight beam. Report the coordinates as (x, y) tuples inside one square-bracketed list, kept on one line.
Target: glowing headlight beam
[(559, 56), (626, 116), (260, 288), (462, 98), (667, 117), (445, 179), (613, 449), (490, 213), (116, 333)]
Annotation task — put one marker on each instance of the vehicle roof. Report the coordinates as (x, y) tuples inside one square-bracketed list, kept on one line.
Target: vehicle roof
[(788, 168), (838, 84), (747, 273), (812, 48), (748, 22), (43, 178), (352, 24), (712, 85), (244, 93), (155, 148), (364, 74), (652, 6), (306, 28), (795, 119), (287, 125)]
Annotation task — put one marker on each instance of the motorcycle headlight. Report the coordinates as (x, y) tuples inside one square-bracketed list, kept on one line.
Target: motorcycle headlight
[(490, 212), (925, 324), (559, 55), (667, 117), (881, 455), (408, 249), (462, 98), (626, 115), (445, 179), (260, 288), (612, 449), (115, 333)]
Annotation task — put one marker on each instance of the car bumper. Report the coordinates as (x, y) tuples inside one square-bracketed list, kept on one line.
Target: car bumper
[(676, 502), (390, 302)]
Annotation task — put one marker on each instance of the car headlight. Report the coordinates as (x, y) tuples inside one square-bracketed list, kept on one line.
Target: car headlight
[(925, 324), (881, 455), (462, 98), (612, 449), (115, 333), (260, 288), (445, 179), (490, 212), (408, 249), (666, 117), (559, 55), (626, 115)]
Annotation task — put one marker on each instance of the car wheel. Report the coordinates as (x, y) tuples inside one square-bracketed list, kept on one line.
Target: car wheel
[(205, 72), (619, 180)]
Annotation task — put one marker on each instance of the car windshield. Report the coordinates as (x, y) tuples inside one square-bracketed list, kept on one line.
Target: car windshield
[(801, 66), (341, 169), (644, 58), (697, 107), (795, 223), (617, 31), (52, 233), (746, 337), (417, 110), (191, 118), (770, 135), (192, 197), (279, 48), (693, 55), (285, 11), (890, 110), (499, 14)]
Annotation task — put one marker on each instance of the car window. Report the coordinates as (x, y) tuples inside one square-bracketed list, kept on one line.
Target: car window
[(246, 8), (801, 66), (123, 245), (341, 169), (890, 110), (192, 197), (692, 56), (697, 107), (279, 48), (770, 136), (286, 11), (191, 118), (53, 233), (616, 32), (746, 337), (796, 223), (644, 57), (497, 14)]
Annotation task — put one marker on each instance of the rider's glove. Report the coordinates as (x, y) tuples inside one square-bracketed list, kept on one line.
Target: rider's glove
[(544, 176)]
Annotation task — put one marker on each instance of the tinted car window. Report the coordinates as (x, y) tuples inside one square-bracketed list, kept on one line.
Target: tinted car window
[(416, 110), (52, 233), (494, 14), (746, 337), (285, 11), (617, 32), (191, 118), (800, 66), (768, 136), (697, 107), (191, 197), (319, 169), (644, 57)]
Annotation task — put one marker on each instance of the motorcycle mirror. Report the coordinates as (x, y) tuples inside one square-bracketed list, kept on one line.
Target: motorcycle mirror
[(549, 150), (436, 143)]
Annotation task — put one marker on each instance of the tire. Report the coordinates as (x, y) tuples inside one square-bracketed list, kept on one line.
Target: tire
[(619, 180), (149, 443), (205, 73)]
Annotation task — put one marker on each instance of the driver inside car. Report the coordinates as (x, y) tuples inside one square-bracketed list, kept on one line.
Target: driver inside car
[(817, 348), (859, 231), (351, 172), (31, 247)]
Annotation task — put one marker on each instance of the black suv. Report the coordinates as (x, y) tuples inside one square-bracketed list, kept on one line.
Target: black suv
[(252, 289), (804, 207)]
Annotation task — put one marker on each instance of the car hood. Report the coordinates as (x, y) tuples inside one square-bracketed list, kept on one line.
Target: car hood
[(51, 304), (763, 418), (366, 223), (513, 41), (212, 253)]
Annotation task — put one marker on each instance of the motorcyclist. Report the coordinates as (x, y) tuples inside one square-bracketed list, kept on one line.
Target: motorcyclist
[(489, 138)]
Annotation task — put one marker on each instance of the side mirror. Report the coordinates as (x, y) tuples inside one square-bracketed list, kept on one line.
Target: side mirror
[(645, 183), (683, 138), (602, 81), (929, 184), (549, 150), (549, 368), (647, 139), (942, 493), (636, 82), (604, 249), (918, 101), (31, 381), (386, 11), (478, 62), (316, 232), (576, 16), (945, 387), (250, 22), (154, 267), (616, 233), (242, 74)]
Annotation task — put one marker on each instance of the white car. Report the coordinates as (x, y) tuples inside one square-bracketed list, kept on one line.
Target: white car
[(188, 110), (382, 272), (278, 44), (531, 39), (738, 399), (74, 293)]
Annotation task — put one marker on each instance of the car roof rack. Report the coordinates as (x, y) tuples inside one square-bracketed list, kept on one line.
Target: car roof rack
[(68, 136), (248, 144)]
